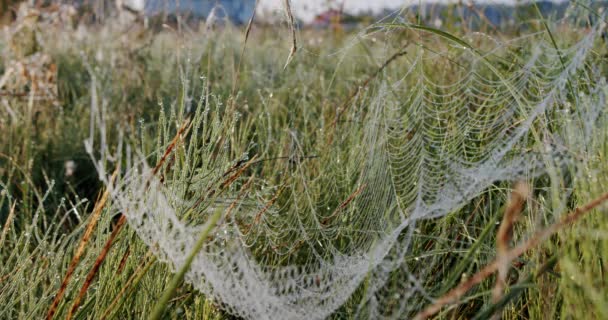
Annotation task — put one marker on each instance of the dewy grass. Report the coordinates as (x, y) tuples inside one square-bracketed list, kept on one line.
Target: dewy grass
[(377, 227), (371, 213)]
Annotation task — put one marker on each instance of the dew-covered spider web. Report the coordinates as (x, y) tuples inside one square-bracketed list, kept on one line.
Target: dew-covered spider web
[(418, 146)]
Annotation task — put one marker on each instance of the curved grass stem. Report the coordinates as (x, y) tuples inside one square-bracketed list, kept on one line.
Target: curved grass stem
[(179, 276)]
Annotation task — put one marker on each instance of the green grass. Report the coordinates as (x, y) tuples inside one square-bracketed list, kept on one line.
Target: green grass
[(149, 83)]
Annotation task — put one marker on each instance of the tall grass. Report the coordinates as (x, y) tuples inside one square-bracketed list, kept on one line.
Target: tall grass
[(297, 118)]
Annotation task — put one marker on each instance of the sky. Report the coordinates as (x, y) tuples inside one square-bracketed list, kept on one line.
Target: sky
[(307, 9)]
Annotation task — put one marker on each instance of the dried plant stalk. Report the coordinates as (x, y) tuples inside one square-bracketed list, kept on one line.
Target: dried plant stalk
[(365, 83), (7, 224), (453, 295), (247, 32), (80, 251), (100, 258), (134, 279), (344, 204), (505, 233), (292, 26)]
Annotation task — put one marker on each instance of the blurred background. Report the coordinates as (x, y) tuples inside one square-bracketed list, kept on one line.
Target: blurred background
[(314, 13)]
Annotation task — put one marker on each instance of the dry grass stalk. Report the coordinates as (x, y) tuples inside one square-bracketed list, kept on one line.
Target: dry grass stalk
[(480, 13), (344, 204), (10, 274), (141, 270), (241, 194), (100, 258), (13, 94), (123, 260), (169, 154), (233, 177), (180, 133), (259, 215), (453, 295), (513, 211), (247, 32), (292, 26), (241, 166), (80, 250), (7, 224), (344, 106)]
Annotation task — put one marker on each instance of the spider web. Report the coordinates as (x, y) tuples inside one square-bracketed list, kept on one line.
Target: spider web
[(426, 147)]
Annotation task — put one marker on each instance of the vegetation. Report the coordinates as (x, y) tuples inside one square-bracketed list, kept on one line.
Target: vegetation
[(231, 129)]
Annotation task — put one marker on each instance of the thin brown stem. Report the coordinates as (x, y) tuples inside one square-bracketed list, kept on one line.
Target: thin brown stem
[(93, 272), (344, 106), (344, 204), (505, 234), (141, 270), (99, 206), (247, 32), (453, 295)]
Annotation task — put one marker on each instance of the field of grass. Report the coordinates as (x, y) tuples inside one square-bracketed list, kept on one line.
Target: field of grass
[(366, 177)]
